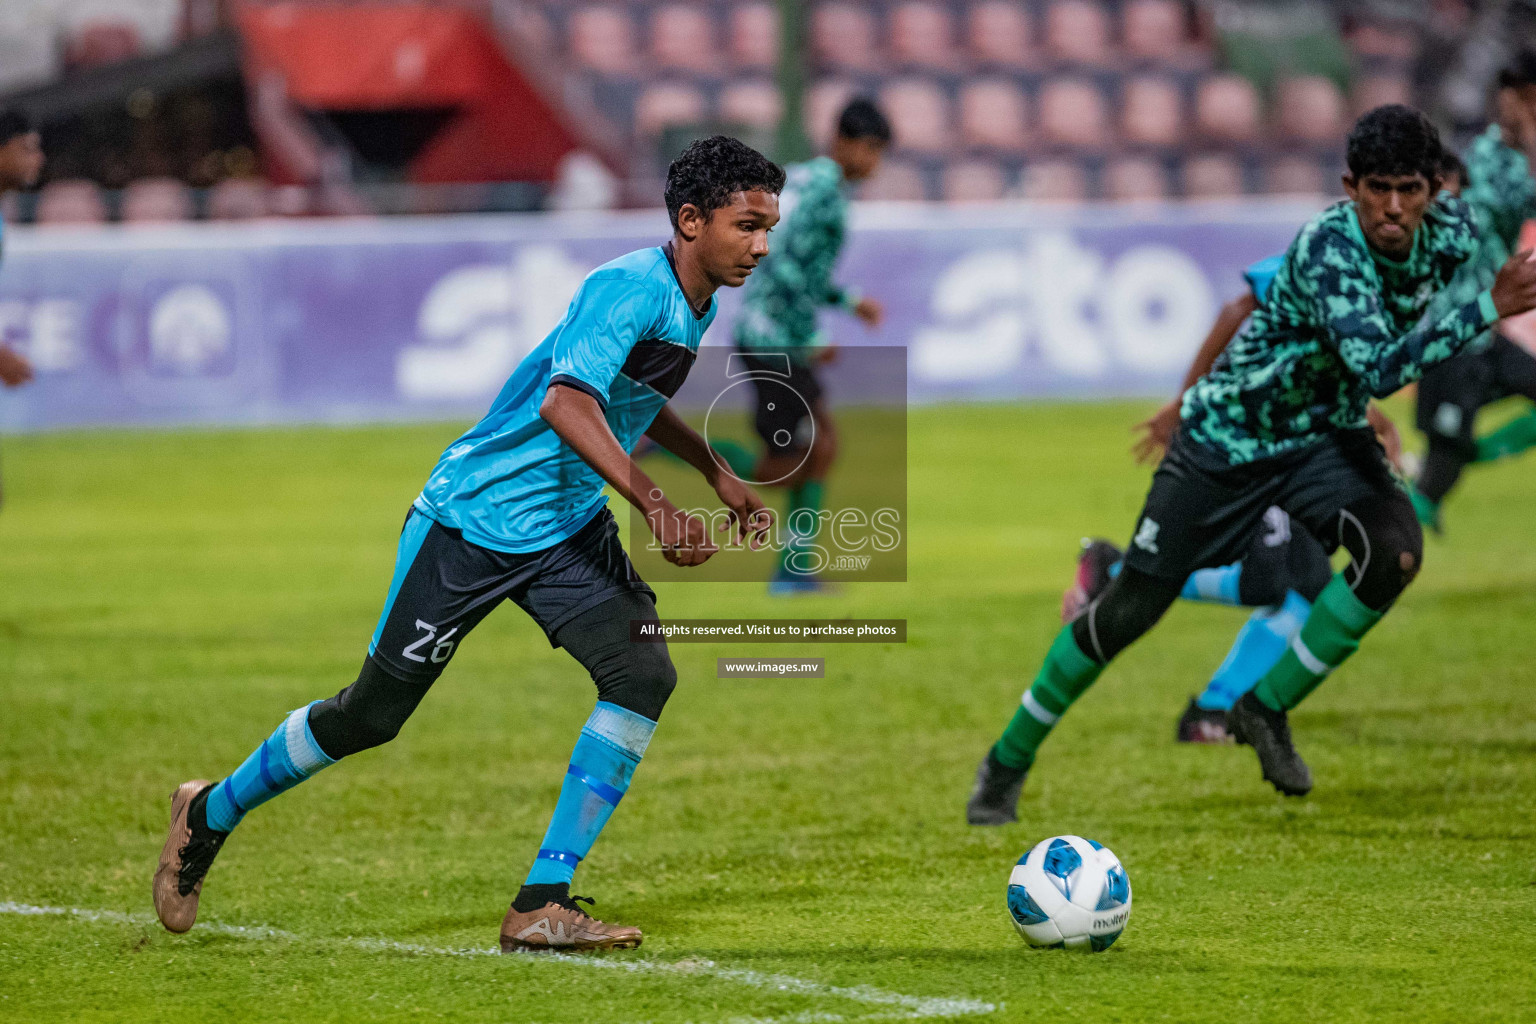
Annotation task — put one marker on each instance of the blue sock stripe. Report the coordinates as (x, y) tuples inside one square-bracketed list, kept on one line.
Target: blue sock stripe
[(563, 856), (228, 789), (264, 769), (621, 728), (600, 789)]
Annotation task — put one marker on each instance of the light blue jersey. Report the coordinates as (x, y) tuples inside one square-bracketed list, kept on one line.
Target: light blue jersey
[(628, 339), (1261, 275)]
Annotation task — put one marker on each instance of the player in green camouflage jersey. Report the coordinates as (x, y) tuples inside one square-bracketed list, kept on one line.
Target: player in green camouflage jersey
[(1502, 195), (778, 335), (1280, 420)]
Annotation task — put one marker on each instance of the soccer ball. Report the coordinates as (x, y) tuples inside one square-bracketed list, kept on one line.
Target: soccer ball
[(1069, 892)]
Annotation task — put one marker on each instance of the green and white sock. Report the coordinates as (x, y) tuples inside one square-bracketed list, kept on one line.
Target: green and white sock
[(1066, 674), (1512, 438), (1332, 633), (804, 505)]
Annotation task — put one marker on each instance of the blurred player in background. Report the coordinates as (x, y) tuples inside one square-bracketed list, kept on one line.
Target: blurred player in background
[(1496, 183), (1280, 420), (515, 509), (779, 337), (1282, 572), (21, 161)]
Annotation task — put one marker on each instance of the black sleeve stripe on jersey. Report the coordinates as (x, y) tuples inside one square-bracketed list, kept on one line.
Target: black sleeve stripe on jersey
[(580, 385)]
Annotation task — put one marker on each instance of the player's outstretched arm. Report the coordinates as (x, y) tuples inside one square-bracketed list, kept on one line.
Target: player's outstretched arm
[(577, 418), (1159, 427), (748, 514), (1358, 328)]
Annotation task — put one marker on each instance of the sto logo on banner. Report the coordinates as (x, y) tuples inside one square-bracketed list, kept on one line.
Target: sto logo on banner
[(478, 321)]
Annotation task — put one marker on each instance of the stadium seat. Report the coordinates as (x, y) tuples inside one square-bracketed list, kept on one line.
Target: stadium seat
[(1157, 32), (823, 102), (843, 37), (602, 39), (922, 36), (1212, 176), (1073, 115), (1296, 175), (155, 200), (666, 104), (532, 28), (1055, 181), (998, 36), (753, 35), (238, 199), (101, 42), (1135, 178), (71, 201), (1152, 112), (993, 115), (896, 180), (204, 17), (1077, 33), (1310, 109), (920, 114), (1227, 109), (1384, 43), (972, 181), (683, 39), (1373, 91), (755, 103)]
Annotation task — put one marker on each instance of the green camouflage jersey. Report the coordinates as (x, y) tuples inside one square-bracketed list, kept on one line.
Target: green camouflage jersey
[(1339, 325), (1502, 197), (795, 279)]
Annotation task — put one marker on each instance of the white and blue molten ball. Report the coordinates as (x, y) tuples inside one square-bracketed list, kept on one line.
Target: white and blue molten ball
[(1069, 892)]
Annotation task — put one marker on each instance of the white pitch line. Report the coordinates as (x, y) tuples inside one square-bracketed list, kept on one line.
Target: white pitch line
[(902, 1007)]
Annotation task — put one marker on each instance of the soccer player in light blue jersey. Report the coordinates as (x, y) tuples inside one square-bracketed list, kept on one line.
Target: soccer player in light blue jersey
[(21, 161), (515, 510)]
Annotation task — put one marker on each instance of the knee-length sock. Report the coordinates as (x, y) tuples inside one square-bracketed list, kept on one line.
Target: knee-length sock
[(1066, 674), (284, 759), (1259, 645), (607, 752), (1332, 633)]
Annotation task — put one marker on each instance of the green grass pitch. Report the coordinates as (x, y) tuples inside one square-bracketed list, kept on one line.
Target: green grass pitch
[(795, 850)]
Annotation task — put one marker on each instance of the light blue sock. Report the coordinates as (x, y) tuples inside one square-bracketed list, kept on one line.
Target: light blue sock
[(1216, 586), (1260, 643), (607, 752), (285, 759)]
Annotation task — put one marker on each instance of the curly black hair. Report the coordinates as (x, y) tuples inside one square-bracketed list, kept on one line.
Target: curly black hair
[(1519, 72), (861, 119), (1394, 140), (1451, 164), (12, 124), (711, 170)]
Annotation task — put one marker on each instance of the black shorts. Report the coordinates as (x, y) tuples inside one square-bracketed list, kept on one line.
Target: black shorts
[(1282, 556), (444, 585), (1451, 393), (1203, 512), (786, 393)]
